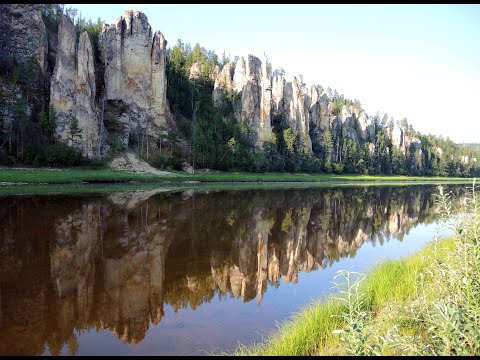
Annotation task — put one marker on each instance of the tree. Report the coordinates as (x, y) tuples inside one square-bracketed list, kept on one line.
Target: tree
[(279, 72), (289, 137), (329, 93), (74, 133), (357, 105), (225, 59), (328, 149)]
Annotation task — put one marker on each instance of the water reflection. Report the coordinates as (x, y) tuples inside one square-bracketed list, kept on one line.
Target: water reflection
[(71, 263)]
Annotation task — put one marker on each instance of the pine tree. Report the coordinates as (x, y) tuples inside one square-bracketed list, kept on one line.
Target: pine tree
[(74, 132)]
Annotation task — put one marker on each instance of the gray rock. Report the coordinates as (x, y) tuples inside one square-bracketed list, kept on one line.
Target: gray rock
[(72, 92), (23, 34), (135, 70), (187, 167)]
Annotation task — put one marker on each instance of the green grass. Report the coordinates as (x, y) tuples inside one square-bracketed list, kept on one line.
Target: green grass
[(79, 176), (105, 188), (309, 332)]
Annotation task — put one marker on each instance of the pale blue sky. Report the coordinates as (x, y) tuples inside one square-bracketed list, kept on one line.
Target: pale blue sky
[(416, 61)]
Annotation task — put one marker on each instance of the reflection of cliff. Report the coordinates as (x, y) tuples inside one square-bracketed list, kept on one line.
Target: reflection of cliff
[(112, 263)]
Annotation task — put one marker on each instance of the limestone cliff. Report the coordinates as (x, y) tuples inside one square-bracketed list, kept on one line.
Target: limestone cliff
[(296, 105), (256, 97), (72, 92), (23, 34), (251, 84), (135, 70), (223, 85), (117, 91)]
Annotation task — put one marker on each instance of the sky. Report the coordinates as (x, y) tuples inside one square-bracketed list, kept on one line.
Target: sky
[(421, 62)]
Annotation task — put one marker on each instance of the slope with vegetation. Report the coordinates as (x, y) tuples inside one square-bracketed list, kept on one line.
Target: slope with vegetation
[(216, 112)]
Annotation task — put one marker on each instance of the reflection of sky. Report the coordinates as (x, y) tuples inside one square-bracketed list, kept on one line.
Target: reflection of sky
[(224, 323)]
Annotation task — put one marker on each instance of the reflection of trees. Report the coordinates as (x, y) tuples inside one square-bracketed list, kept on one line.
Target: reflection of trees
[(112, 263)]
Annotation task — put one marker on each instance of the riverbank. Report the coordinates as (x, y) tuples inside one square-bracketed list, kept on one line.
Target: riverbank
[(426, 304), (25, 176), (310, 332)]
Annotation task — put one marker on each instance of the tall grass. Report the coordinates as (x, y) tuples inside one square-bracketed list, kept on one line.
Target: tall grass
[(442, 317)]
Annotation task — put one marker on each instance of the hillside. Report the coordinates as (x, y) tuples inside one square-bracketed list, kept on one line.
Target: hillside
[(80, 93)]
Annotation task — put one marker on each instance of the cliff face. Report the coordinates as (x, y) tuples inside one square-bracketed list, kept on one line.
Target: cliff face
[(256, 95), (223, 85), (72, 92), (296, 105), (135, 70), (23, 34)]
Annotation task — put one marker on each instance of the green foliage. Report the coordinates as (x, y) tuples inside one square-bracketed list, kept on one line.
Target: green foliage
[(279, 72), (338, 167), (74, 133), (61, 155), (355, 334), (52, 16), (338, 103), (5, 159), (443, 308), (164, 162), (289, 137), (46, 120)]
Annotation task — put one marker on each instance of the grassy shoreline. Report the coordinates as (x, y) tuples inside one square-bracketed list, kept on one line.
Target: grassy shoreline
[(13, 176), (309, 332), (424, 304)]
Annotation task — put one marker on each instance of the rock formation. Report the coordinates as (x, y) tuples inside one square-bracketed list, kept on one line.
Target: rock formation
[(117, 92), (73, 91), (23, 34), (296, 106), (278, 84), (223, 85), (256, 97), (135, 71)]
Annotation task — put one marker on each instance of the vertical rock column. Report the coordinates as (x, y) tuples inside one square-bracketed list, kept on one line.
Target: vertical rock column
[(73, 90), (252, 80), (295, 112), (135, 70)]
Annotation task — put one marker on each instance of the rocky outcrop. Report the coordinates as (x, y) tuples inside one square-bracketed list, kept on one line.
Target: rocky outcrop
[(406, 143), (223, 85), (135, 70), (296, 104), (239, 76), (195, 71), (72, 92), (23, 35), (252, 81), (278, 84)]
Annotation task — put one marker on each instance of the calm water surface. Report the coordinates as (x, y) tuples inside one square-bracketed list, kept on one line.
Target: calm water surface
[(156, 273)]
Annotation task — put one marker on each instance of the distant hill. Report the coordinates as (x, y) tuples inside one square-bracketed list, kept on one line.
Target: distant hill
[(473, 146)]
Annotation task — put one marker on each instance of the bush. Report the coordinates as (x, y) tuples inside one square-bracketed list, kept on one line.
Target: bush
[(164, 162), (60, 154), (338, 167), (161, 162), (5, 159)]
